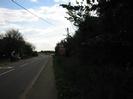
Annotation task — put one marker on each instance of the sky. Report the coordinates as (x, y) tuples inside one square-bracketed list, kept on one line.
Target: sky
[(43, 33)]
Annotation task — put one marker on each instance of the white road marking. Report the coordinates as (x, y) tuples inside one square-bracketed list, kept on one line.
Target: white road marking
[(6, 72), (24, 65), (13, 67), (6, 67), (27, 64)]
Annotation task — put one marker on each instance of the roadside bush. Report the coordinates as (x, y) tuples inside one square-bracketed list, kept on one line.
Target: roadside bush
[(76, 81)]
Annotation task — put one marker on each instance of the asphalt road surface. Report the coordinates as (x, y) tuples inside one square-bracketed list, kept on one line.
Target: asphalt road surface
[(15, 78)]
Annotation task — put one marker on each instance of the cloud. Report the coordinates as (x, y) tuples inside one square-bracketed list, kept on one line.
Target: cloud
[(9, 15), (73, 2), (54, 13), (40, 37), (34, 0), (67, 1), (42, 34), (64, 1)]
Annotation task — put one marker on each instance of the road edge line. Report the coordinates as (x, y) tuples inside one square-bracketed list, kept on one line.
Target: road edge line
[(23, 95), (6, 72)]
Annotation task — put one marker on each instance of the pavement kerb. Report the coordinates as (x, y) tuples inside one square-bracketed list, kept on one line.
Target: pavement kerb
[(23, 95)]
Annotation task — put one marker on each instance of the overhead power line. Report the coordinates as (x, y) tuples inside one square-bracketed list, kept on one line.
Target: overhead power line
[(31, 12)]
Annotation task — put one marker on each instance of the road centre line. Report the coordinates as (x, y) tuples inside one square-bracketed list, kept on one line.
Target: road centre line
[(24, 65), (14, 69), (9, 67), (6, 72)]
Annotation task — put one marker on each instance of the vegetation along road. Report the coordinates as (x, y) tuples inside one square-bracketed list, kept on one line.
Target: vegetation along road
[(16, 78)]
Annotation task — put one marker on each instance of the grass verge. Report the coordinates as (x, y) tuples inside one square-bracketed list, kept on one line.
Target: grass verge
[(4, 62), (90, 81), (66, 77)]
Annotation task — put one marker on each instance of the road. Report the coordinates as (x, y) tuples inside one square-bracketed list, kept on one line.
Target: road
[(17, 77)]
